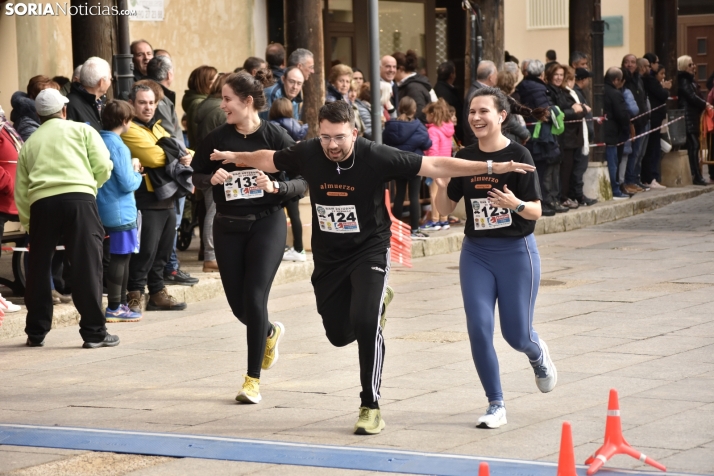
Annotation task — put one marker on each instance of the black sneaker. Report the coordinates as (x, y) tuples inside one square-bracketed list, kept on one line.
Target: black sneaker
[(179, 277), (546, 211), (586, 202), (29, 343), (644, 187), (560, 208), (109, 341)]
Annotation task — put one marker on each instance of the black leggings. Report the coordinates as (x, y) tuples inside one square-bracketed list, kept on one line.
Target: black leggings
[(414, 206), (293, 208), (117, 279), (247, 263)]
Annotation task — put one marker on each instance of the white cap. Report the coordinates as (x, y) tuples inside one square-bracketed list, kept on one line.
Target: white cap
[(49, 102)]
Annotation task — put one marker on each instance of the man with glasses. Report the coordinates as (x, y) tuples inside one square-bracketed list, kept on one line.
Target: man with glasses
[(351, 230), (289, 86)]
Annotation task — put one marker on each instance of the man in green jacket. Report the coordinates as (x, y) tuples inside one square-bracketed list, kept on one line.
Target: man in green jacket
[(58, 172)]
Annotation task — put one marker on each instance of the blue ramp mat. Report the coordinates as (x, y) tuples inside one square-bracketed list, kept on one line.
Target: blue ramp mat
[(275, 452)]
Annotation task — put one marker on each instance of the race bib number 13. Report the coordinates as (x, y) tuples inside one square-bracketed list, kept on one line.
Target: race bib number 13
[(241, 185), (488, 217), (341, 219)]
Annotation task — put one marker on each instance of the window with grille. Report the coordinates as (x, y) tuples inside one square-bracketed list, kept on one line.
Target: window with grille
[(546, 14)]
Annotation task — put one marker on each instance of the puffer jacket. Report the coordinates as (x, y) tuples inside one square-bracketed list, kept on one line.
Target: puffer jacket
[(294, 129), (115, 200), (690, 100), (189, 104), (409, 136), (572, 136), (418, 88), (23, 115), (534, 93), (9, 149), (332, 94), (441, 137)]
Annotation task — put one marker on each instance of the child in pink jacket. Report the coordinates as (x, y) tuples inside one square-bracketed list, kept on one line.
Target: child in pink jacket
[(441, 132)]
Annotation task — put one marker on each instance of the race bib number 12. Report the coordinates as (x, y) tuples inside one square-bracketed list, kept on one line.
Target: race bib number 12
[(488, 217), (241, 185), (341, 219)]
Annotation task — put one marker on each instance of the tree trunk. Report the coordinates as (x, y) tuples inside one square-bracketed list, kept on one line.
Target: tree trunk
[(304, 30), (492, 30), (92, 34), (579, 33), (665, 34), (580, 21)]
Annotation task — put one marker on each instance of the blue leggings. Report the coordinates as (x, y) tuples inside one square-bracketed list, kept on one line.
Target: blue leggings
[(507, 270)]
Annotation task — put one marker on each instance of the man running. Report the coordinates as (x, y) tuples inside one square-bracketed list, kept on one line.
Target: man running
[(351, 231)]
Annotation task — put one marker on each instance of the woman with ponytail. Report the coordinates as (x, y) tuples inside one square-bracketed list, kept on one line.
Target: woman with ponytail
[(249, 229)]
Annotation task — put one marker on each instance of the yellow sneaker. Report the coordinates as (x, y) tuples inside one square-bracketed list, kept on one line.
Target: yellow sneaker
[(271, 346), (370, 422), (250, 393), (388, 296)]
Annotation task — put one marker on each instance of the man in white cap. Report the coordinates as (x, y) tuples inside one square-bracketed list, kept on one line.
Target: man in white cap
[(58, 172)]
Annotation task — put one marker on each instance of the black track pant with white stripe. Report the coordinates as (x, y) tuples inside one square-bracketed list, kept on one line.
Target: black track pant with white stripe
[(350, 299)]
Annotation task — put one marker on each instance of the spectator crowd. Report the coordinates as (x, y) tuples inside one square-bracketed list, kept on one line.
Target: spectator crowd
[(109, 179)]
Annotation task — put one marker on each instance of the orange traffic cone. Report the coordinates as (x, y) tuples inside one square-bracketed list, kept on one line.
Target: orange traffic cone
[(566, 460), (483, 469), (401, 240), (615, 442)]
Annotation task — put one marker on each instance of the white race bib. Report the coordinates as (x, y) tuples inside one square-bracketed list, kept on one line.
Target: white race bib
[(341, 219), (242, 184), (488, 217)]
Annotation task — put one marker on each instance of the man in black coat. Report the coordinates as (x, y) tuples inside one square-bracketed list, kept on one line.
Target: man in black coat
[(445, 89), (632, 69), (87, 98), (617, 127), (657, 93)]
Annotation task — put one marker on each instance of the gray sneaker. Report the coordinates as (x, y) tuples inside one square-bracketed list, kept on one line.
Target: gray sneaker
[(546, 375)]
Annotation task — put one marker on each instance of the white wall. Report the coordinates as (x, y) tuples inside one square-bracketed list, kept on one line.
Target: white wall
[(260, 27)]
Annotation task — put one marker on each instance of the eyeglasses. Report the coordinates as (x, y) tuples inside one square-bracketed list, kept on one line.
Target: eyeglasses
[(339, 140), (292, 82)]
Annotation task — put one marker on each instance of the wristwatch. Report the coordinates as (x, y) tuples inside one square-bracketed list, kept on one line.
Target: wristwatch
[(521, 206), (489, 164), (276, 186)]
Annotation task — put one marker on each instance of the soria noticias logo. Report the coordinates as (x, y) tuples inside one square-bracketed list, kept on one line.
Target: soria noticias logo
[(57, 9)]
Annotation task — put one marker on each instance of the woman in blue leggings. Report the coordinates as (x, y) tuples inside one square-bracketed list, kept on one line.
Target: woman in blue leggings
[(499, 259)]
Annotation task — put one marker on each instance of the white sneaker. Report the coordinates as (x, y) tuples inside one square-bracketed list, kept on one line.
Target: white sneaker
[(654, 185), (546, 375), (7, 306), (292, 255), (494, 417)]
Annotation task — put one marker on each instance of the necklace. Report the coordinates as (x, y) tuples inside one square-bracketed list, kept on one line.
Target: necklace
[(245, 136), (354, 157)]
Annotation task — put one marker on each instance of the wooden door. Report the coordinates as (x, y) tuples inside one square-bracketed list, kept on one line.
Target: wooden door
[(700, 46)]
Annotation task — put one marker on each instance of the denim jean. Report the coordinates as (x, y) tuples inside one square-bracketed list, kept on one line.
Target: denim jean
[(612, 162), (630, 171), (641, 154), (173, 263)]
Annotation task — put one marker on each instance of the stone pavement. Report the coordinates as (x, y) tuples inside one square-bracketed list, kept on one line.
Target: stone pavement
[(624, 305)]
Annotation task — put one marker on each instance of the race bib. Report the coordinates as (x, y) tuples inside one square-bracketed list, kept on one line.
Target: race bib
[(242, 184), (488, 217), (341, 219)]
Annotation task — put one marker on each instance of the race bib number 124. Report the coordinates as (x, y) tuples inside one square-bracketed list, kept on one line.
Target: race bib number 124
[(241, 185), (488, 217), (340, 219)]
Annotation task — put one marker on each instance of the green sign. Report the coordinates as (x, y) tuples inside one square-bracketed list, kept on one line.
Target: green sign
[(613, 31)]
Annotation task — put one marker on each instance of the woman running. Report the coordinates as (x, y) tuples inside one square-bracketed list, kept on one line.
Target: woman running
[(249, 229), (499, 258)]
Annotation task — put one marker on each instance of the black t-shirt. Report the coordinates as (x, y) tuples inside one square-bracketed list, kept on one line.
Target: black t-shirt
[(490, 221), (226, 138), (349, 217)]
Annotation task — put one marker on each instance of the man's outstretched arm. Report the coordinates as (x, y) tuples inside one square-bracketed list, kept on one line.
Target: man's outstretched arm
[(260, 159), (444, 167)]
